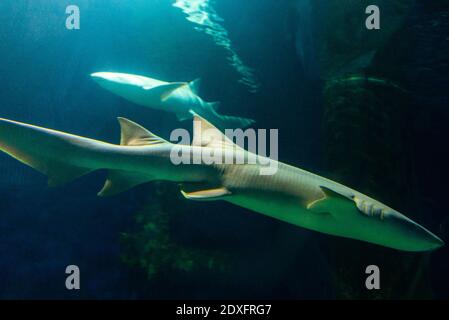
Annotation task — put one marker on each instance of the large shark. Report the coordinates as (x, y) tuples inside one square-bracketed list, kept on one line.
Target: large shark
[(291, 194), (180, 98)]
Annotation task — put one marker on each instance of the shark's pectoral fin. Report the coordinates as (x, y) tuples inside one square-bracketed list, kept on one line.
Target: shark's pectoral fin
[(366, 206), (334, 194), (162, 92), (205, 194), (331, 202), (120, 181)]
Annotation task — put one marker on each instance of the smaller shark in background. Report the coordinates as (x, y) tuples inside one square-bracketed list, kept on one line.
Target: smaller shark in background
[(180, 98)]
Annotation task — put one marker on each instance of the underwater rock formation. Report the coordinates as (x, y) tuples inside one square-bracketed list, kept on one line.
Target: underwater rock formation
[(345, 44), (369, 145), (153, 247)]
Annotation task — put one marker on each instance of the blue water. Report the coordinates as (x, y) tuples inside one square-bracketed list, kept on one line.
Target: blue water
[(262, 65)]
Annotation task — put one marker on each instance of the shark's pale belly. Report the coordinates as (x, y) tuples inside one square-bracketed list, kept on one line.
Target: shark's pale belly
[(287, 182), (284, 196)]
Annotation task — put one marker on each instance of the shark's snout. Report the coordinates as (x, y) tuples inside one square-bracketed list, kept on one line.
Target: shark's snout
[(118, 79), (429, 240), (97, 75), (125, 80), (122, 84), (102, 77), (415, 237), (106, 80), (131, 87)]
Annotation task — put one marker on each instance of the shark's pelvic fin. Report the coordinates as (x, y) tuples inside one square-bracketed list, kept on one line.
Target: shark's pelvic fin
[(195, 86), (208, 194), (162, 92), (133, 134)]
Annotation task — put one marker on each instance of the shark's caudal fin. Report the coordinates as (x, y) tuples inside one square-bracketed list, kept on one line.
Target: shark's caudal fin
[(224, 121), (229, 122), (60, 156), (221, 121), (64, 157)]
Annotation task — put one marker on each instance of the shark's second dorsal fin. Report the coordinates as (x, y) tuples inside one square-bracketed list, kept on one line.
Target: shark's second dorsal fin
[(133, 134), (207, 135)]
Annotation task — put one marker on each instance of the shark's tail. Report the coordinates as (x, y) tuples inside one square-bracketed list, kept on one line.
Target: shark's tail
[(64, 157), (230, 122), (61, 156), (224, 121)]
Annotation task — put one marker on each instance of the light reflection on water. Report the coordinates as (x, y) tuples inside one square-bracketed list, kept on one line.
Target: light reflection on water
[(202, 13)]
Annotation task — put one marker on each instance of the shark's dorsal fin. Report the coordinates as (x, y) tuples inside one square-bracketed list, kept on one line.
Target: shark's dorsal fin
[(207, 135), (133, 134), (195, 86)]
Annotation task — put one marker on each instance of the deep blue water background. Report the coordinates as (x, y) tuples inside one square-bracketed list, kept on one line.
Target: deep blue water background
[(44, 76)]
